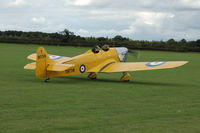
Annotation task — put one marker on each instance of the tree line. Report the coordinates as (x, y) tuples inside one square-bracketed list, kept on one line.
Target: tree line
[(68, 38)]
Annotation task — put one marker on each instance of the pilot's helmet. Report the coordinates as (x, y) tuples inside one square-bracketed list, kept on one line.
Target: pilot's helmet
[(96, 49), (105, 47)]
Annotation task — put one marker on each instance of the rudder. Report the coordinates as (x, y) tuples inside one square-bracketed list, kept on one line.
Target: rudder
[(42, 62)]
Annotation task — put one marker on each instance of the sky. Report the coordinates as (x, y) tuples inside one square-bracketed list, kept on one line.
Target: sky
[(136, 19)]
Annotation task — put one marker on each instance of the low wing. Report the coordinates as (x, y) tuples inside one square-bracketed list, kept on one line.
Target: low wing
[(102, 66), (52, 67), (139, 66), (56, 58)]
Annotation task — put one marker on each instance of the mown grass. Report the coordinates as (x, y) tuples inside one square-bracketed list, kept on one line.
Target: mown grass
[(161, 101)]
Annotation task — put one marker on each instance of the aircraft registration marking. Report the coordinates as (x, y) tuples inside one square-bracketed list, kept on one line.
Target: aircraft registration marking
[(70, 70), (41, 56)]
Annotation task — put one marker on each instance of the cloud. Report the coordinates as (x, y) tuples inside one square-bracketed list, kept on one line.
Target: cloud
[(148, 20), (109, 32), (78, 2), (18, 3), (38, 20), (88, 3), (173, 5), (83, 32), (192, 4), (153, 18)]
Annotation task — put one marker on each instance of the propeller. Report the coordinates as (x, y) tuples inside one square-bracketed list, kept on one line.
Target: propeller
[(135, 53)]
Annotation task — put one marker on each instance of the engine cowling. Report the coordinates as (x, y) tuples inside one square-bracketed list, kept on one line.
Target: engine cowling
[(122, 53)]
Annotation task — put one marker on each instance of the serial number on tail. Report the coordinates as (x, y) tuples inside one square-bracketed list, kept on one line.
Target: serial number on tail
[(70, 70), (41, 56)]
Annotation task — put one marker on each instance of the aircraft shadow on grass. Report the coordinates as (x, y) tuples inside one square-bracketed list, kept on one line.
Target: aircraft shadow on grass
[(77, 80)]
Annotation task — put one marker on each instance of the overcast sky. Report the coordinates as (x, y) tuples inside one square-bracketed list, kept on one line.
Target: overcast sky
[(136, 19)]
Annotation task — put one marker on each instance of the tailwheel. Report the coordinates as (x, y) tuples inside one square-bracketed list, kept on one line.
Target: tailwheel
[(92, 76), (125, 77), (46, 80)]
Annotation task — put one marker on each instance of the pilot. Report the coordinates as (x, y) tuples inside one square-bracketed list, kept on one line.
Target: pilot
[(105, 47), (96, 49)]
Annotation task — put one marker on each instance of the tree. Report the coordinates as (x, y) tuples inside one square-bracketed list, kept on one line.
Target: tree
[(101, 39), (183, 40), (118, 38), (67, 34), (198, 42), (171, 41)]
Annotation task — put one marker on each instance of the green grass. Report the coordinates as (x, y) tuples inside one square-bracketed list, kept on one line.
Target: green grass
[(160, 101)]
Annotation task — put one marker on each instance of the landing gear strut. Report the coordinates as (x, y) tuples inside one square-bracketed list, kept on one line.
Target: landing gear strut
[(92, 76), (46, 80), (125, 77)]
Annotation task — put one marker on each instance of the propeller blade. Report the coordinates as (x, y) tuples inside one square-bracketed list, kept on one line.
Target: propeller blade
[(134, 53)]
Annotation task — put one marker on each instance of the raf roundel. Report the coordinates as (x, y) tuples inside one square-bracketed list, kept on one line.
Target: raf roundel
[(82, 68), (54, 57), (154, 64)]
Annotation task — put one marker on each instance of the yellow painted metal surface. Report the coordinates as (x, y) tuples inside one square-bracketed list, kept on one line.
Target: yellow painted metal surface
[(60, 60), (59, 67), (30, 66), (139, 66), (42, 62), (32, 57), (89, 61), (86, 62)]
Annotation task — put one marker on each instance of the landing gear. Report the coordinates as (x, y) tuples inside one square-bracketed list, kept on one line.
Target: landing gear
[(92, 76), (125, 77), (46, 80)]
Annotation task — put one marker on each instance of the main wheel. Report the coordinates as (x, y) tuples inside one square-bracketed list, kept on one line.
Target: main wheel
[(46, 80), (125, 77), (92, 76)]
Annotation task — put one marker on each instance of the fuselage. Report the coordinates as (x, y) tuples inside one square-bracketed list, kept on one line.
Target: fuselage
[(90, 60)]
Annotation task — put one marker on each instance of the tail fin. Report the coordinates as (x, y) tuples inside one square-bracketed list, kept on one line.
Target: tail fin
[(42, 62)]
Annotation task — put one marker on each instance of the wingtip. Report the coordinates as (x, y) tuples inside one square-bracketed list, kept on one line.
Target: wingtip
[(32, 57), (30, 66), (185, 62), (181, 63)]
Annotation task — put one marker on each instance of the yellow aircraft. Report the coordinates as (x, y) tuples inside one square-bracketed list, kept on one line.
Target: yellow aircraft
[(97, 60)]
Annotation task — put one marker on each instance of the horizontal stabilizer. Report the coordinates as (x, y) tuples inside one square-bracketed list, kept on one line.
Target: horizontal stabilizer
[(53, 67), (30, 66), (56, 58), (59, 67), (32, 57)]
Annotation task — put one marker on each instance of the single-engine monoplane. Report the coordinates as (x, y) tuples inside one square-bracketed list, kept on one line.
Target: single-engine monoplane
[(97, 60)]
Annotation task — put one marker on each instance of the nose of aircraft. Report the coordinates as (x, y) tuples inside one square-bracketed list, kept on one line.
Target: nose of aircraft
[(122, 52)]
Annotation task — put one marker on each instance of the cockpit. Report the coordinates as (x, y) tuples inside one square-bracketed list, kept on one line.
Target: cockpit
[(97, 48), (121, 51)]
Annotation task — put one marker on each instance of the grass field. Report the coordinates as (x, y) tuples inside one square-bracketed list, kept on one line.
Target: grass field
[(161, 101)]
